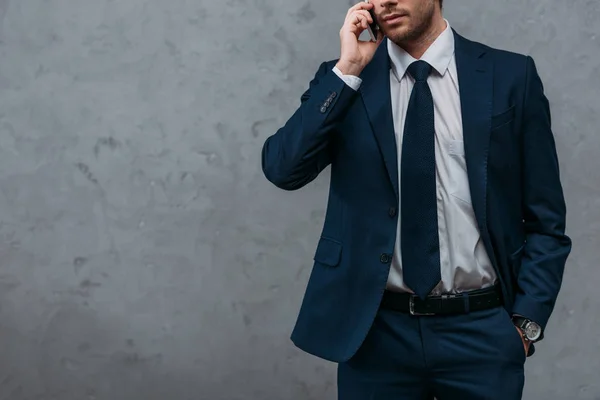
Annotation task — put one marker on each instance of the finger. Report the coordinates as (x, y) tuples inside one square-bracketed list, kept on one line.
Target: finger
[(360, 22), (364, 13), (359, 6)]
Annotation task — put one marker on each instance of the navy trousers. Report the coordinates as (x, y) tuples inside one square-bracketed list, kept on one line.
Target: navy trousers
[(472, 356)]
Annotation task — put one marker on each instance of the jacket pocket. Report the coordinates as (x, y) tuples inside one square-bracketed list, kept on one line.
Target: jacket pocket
[(328, 252)]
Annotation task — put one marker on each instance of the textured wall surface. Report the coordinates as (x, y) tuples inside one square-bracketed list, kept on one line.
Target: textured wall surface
[(142, 253)]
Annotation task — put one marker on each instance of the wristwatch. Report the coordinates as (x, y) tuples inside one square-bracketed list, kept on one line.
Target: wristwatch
[(531, 330)]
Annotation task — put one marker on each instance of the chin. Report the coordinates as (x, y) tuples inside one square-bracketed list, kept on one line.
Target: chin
[(400, 34)]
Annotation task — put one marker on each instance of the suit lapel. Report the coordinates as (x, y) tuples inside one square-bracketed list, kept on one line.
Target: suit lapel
[(475, 76), (376, 96)]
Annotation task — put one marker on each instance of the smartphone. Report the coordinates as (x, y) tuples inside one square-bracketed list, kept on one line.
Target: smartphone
[(372, 28)]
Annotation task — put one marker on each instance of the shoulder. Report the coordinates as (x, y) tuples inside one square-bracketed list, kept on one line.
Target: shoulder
[(511, 69), (510, 60)]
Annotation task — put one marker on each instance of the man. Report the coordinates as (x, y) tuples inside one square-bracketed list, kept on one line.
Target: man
[(443, 247)]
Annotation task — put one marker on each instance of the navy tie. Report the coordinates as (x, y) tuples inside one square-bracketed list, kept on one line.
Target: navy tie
[(419, 225)]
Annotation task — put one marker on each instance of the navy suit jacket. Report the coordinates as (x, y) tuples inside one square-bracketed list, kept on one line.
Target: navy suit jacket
[(513, 174)]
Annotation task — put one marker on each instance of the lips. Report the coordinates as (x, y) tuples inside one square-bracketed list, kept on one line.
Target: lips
[(393, 17)]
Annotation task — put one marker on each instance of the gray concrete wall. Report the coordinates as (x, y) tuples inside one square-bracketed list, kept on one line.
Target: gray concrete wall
[(143, 256)]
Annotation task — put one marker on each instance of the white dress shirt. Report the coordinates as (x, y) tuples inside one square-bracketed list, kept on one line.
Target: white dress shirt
[(464, 261)]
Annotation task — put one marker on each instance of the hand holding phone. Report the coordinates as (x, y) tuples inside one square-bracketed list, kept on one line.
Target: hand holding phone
[(356, 54)]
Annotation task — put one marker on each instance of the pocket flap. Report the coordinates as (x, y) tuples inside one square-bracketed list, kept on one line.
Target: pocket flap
[(328, 252)]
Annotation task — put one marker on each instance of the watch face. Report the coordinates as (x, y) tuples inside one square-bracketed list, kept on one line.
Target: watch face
[(533, 331)]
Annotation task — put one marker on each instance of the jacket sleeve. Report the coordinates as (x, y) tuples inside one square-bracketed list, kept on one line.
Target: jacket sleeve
[(301, 149), (546, 246)]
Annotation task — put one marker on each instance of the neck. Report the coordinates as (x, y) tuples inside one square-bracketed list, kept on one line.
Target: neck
[(419, 46)]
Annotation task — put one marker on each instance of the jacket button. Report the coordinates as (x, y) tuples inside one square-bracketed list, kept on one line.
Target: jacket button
[(323, 110), (333, 95), (392, 211), (385, 258)]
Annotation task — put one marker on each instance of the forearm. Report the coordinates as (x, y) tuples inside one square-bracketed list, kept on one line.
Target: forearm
[(301, 149)]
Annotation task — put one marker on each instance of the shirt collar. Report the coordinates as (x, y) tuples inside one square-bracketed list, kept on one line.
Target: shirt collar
[(438, 55)]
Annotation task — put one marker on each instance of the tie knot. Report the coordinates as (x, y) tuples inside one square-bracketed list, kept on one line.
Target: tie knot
[(419, 70)]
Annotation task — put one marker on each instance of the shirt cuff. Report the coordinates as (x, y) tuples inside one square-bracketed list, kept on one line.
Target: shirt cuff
[(350, 80)]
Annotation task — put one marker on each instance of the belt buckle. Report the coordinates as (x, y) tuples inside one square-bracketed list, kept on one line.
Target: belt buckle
[(411, 307)]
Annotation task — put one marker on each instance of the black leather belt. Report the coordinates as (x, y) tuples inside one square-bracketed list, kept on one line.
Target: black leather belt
[(461, 303)]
